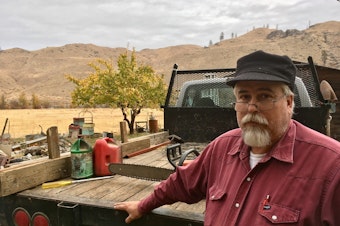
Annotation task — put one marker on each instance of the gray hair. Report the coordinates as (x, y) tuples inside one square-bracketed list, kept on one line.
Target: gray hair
[(288, 92)]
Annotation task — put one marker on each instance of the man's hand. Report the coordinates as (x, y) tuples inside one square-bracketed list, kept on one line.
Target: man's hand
[(131, 208)]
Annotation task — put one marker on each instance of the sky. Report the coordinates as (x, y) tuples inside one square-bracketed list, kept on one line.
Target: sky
[(150, 24)]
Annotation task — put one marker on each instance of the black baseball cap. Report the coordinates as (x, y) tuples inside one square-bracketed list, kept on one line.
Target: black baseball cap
[(262, 66)]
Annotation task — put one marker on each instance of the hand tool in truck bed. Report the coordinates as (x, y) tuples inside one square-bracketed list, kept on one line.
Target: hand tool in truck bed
[(56, 184), (174, 155)]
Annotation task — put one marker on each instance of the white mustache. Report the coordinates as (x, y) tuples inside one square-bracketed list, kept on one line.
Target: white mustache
[(254, 118)]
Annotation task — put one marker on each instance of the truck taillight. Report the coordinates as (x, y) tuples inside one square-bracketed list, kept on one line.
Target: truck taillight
[(21, 217), (40, 219)]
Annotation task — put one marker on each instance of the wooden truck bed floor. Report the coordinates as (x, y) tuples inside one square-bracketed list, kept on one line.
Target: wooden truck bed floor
[(104, 193)]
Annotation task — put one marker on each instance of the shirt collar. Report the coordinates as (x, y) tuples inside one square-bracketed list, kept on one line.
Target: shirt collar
[(282, 151)]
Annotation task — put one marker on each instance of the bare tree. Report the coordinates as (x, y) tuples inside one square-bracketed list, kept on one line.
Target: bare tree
[(221, 36), (22, 101), (3, 102)]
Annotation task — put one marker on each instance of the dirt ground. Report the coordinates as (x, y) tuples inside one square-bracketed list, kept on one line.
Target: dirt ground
[(28, 121)]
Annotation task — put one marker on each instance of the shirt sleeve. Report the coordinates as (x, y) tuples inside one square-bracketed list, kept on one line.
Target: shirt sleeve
[(188, 184)]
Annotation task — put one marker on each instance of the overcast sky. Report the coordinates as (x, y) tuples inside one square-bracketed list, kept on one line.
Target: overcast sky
[(36, 24)]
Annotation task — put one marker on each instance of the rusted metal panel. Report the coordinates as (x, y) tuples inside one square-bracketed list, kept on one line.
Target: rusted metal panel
[(314, 118), (199, 124), (202, 124)]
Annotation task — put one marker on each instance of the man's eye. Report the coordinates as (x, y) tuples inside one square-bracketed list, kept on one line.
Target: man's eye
[(243, 98), (264, 97)]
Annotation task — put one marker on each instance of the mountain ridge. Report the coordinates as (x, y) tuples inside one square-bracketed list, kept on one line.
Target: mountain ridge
[(42, 72)]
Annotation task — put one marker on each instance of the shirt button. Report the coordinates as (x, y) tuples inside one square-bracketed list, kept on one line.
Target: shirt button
[(274, 217), (213, 197), (237, 205), (248, 179)]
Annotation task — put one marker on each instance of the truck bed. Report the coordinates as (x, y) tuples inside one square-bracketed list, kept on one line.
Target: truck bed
[(104, 193)]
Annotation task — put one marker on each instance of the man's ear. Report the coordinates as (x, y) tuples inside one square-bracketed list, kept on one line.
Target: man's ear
[(290, 101), (290, 105)]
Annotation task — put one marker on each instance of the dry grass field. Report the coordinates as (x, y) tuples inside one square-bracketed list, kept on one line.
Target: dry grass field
[(27, 121)]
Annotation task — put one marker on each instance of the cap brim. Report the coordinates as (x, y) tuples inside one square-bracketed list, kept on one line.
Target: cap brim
[(255, 76)]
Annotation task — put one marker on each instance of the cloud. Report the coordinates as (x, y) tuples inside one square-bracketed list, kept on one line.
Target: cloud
[(143, 24)]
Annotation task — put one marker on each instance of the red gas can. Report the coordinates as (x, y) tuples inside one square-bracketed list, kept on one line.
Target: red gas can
[(105, 151)]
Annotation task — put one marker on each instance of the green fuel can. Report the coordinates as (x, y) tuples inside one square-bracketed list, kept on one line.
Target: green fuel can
[(81, 160)]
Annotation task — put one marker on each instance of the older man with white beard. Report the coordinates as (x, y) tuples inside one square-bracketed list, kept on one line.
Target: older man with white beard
[(270, 171), (255, 107)]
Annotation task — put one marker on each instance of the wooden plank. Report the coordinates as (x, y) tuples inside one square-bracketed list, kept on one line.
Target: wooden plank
[(123, 132), (102, 188), (27, 176), (53, 142), (134, 145), (139, 143), (143, 158), (127, 189), (160, 137), (85, 189), (143, 192), (31, 162)]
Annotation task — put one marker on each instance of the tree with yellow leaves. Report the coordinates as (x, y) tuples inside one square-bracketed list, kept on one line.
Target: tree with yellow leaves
[(131, 87)]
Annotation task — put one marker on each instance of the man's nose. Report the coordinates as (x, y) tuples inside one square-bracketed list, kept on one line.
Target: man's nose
[(252, 106)]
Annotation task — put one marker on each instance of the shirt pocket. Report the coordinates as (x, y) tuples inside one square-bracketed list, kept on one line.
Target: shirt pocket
[(216, 193), (215, 211), (278, 214)]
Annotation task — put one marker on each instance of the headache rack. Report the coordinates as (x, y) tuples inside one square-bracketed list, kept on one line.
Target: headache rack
[(206, 121)]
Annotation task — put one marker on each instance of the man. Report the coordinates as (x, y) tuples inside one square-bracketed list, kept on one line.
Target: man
[(270, 171)]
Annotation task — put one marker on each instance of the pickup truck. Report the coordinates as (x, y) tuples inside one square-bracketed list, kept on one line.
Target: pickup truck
[(91, 203)]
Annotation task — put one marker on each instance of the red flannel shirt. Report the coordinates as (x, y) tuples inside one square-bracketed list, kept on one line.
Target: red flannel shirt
[(296, 183)]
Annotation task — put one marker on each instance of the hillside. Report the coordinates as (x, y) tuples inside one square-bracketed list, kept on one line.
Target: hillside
[(42, 71)]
